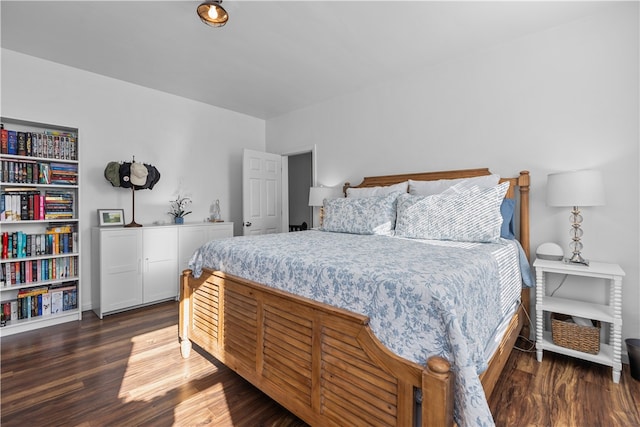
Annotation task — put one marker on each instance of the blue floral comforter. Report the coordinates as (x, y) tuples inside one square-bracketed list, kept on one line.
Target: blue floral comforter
[(423, 298)]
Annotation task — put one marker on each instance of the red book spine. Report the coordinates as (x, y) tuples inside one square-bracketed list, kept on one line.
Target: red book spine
[(36, 206), (5, 244), (4, 141)]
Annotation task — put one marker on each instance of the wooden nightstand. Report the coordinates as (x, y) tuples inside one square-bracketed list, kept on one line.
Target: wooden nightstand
[(610, 313)]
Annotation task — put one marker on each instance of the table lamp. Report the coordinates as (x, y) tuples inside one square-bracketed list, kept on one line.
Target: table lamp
[(575, 189), (317, 196)]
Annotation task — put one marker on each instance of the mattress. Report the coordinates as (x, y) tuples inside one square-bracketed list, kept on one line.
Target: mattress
[(423, 298)]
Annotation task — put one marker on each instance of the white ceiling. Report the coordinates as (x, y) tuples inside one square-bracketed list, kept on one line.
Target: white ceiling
[(271, 57)]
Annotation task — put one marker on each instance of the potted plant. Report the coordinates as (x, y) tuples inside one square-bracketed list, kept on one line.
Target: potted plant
[(178, 209)]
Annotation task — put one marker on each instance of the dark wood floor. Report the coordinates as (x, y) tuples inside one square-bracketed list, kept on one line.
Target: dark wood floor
[(127, 370)]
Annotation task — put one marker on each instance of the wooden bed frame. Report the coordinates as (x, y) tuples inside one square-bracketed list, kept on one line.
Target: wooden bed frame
[(323, 363)]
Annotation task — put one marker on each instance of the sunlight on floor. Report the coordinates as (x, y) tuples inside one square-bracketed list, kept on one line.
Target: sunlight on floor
[(150, 374)]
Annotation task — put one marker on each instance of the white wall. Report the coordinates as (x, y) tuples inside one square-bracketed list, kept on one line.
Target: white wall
[(196, 147), (562, 99)]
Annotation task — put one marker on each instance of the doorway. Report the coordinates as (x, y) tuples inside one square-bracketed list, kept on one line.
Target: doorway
[(300, 179)]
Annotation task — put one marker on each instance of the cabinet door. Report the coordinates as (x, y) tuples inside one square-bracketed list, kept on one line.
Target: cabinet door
[(160, 264), (121, 283)]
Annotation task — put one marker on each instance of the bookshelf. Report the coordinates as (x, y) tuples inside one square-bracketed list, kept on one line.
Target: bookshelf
[(39, 225)]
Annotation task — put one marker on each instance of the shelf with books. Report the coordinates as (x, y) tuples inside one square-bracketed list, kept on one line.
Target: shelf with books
[(31, 203), (26, 272), (11, 287), (23, 170), (40, 237)]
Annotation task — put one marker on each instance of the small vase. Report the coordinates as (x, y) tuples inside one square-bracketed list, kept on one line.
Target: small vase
[(179, 220)]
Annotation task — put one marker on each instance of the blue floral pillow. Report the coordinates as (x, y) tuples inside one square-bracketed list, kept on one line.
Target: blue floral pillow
[(469, 215), (368, 215)]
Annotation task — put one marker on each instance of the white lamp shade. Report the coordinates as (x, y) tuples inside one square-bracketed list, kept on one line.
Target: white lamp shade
[(318, 194), (577, 188)]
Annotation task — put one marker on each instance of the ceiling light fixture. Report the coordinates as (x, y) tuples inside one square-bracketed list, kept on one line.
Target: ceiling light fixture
[(211, 13)]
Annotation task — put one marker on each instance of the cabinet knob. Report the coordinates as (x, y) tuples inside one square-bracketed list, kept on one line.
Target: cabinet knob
[(247, 224)]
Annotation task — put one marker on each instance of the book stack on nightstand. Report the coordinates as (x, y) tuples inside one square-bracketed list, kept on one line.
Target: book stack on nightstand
[(608, 354)]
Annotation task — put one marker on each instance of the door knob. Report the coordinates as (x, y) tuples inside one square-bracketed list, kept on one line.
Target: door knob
[(247, 224)]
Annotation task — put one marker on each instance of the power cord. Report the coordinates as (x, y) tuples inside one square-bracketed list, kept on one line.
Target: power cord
[(531, 344), (559, 285)]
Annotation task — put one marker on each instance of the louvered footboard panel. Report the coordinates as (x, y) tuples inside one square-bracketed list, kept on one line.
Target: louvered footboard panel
[(240, 326), (287, 352), (354, 390), (206, 314)]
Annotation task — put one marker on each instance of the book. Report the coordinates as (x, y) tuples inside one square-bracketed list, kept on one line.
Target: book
[(46, 304), (28, 144), (12, 142), (4, 141), (22, 144), (6, 309), (56, 301), (14, 309)]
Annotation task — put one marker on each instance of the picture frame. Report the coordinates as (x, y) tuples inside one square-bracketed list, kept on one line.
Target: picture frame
[(110, 217)]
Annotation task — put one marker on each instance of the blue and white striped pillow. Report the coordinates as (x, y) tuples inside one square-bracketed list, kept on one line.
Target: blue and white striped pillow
[(465, 215)]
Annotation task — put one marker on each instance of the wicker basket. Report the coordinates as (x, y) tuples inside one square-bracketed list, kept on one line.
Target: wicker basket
[(565, 333)]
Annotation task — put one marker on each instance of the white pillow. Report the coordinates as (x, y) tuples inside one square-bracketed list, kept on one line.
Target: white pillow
[(470, 215), (427, 188), (357, 193)]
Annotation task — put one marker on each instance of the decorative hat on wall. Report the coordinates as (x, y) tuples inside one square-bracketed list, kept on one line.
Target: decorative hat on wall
[(133, 175)]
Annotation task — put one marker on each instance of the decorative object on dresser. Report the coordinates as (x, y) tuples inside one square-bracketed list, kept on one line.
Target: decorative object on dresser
[(575, 189), (39, 225), (178, 209), (322, 362), (575, 334), (215, 216), (110, 217), (133, 175)]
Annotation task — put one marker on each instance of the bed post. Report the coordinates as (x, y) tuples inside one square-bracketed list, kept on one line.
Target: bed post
[(523, 184), (183, 326), (437, 393)]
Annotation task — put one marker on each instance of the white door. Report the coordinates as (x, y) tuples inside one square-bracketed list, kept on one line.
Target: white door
[(261, 193)]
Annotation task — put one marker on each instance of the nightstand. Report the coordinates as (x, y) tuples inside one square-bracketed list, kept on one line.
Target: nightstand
[(610, 313)]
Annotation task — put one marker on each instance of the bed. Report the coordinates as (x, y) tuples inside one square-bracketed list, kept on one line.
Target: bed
[(325, 363)]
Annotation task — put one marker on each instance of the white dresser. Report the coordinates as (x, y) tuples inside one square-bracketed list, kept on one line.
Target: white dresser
[(133, 267)]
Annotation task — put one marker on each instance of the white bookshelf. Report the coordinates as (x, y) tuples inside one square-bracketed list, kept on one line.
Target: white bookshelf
[(31, 263)]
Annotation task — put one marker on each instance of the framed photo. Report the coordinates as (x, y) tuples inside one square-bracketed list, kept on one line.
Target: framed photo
[(110, 217)]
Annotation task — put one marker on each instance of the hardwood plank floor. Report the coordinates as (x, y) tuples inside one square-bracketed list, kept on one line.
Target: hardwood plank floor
[(127, 370)]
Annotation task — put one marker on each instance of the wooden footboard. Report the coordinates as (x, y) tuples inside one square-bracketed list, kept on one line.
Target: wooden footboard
[(322, 363)]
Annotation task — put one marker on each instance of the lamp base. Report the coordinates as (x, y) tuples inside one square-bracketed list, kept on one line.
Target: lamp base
[(577, 259)]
